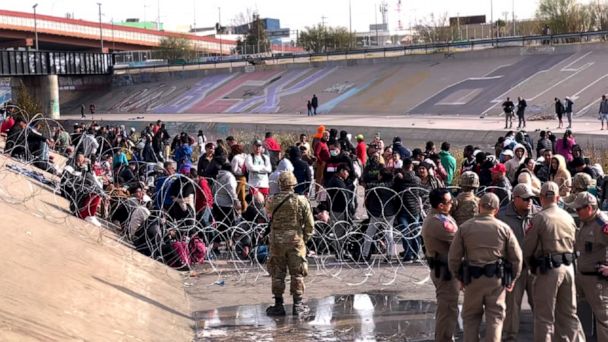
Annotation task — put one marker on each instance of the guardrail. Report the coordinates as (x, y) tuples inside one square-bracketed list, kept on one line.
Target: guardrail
[(393, 51), (23, 63)]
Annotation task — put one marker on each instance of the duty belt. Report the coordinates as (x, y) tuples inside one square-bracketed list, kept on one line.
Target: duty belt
[(550, 261), (440, 267)]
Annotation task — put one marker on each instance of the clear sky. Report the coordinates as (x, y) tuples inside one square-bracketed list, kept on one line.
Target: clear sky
[(293, 14)]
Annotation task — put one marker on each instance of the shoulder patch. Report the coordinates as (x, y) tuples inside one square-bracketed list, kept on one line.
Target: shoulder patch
[(448, 225), (602, 221)]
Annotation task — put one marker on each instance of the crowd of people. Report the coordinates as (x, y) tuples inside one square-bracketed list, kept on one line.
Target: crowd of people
[(183, 198)]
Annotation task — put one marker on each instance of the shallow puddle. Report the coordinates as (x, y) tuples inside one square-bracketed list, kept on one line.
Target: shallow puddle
[(359, 317)]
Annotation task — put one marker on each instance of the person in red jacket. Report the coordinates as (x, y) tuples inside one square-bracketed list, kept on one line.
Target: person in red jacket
[(361, 149), (7, 124), (273, 149), (203, 199), (322, 155)]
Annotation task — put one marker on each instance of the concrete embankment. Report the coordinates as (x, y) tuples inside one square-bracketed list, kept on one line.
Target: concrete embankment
[(66, 280)]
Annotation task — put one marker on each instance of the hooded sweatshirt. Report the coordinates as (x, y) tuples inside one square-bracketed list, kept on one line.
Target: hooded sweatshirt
[(513, 164), (273, 179), (562, 176)]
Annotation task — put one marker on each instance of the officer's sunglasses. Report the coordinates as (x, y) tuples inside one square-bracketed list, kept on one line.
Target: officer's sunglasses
[(525, 199)]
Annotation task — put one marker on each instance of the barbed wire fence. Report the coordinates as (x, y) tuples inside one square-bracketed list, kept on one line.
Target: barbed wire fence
[(212, 241)]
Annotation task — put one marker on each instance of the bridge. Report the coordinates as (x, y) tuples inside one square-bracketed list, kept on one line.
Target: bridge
[(17, 29)]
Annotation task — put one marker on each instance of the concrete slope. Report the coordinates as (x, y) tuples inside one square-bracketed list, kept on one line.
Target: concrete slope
[(63, 279), (466, 83)]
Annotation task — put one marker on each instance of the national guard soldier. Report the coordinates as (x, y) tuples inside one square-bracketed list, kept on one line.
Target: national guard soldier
[(549, 251), (517, 215), (487, 258), (592, 263), (291, 227), (438, 231), (466, 204)]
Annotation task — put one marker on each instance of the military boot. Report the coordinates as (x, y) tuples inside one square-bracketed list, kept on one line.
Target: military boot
[(299, 308), (277, 309)]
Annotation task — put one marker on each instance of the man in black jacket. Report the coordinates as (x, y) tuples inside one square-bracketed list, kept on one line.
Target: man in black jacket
[(521, 112), (507, 107), (403, 151), (340, 196), (337, 158), (301, 170), (407, 184)]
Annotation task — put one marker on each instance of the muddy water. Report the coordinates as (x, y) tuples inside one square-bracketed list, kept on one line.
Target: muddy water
[(359, 317)]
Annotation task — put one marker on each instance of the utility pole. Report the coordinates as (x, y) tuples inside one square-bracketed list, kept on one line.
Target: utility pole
[(376, 15), (35, 26), (100, 28), (194, 23), (323, 26), (350, 24), (158, 15), (219, 15), (458, 25), (491, 19), (513, 12)]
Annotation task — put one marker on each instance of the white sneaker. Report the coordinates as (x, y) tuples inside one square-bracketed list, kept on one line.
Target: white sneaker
[(93, 220)]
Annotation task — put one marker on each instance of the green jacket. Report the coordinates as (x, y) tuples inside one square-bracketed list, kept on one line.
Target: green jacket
[(449, 164)]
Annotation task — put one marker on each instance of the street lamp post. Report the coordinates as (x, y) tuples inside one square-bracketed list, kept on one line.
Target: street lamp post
[(100, 29), (35, 26), (219, 15), (350, 24)]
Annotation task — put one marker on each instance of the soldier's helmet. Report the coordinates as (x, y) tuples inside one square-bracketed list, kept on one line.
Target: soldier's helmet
[(469, 179), (287, 180)]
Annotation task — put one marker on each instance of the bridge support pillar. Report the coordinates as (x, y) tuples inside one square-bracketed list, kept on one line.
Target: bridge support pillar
[(44, 90)]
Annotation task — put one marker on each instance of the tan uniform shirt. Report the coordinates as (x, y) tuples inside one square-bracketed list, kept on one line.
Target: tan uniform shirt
[(592, 243), (438, 232), (483, 240), (552, 230)]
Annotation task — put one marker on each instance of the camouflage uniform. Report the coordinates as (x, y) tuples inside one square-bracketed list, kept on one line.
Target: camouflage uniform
[(466, 203), (291, 227)]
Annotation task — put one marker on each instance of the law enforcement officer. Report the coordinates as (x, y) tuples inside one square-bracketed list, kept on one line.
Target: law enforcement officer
[(517, 215), (438, 231), (592, 273), (466, 204), (291, 227), (487, 258), (549, 250)]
